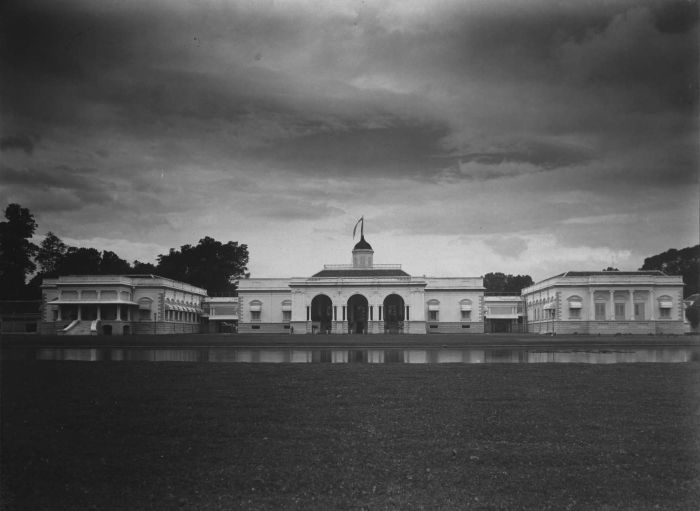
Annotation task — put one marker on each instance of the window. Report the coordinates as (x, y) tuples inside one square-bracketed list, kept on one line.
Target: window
[(639, 311), (619, 311), (286, 315), (255, 307), (574, 313), (466, 315), (600, 311), (433, 310), (665, 313)]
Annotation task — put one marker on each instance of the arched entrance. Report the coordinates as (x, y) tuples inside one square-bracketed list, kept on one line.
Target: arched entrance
[(393, 314), (321, 314), (357, 314)]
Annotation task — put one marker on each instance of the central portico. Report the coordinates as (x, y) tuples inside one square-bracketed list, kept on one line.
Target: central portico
[(362, 298), (359, 298)]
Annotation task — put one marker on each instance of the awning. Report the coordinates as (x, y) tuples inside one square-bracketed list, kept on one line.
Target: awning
[(466, 307), (575, 305), (432, 307), (255, 307), (666, 305)]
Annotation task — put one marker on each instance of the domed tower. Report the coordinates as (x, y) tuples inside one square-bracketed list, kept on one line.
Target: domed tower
[(362, 254)]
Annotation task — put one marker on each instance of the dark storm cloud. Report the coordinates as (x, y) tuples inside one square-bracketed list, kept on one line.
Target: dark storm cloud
[(17, 142), (395, 150), (284, 110), (76, 187)]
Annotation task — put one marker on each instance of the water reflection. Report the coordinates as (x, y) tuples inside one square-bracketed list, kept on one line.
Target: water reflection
[(363, 355)]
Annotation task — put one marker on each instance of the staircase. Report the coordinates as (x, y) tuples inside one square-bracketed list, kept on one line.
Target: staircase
[(77, 327)]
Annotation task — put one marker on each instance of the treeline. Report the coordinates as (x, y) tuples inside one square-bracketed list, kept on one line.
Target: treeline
[(210, 264), (684, 262), (502, 283)]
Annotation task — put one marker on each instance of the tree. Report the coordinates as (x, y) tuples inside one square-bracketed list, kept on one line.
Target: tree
[(80, 261), (16, 251), (610, 268), (144, 268), (211, 264), (50, 254), (502, 283), (684, 262), (112, 264)]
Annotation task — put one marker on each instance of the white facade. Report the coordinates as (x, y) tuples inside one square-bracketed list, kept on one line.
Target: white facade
[(643, 302), (361, 298), (119, 305)]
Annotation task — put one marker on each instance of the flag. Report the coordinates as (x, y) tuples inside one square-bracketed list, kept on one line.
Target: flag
[(361, 220)]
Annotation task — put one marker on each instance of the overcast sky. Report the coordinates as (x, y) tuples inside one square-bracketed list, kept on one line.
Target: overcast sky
[(528, 137)]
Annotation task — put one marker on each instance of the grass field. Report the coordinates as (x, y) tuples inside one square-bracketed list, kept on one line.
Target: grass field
[(359, 436)]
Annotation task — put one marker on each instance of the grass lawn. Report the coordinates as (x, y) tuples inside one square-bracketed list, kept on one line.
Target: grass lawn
[(350, 436)]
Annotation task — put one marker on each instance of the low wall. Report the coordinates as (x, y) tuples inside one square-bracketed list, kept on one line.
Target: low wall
[(475, 327), (606, 327), (265, 328)]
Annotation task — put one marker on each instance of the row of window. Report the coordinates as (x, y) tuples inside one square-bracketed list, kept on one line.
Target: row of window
[(600, 313), (181, 317)]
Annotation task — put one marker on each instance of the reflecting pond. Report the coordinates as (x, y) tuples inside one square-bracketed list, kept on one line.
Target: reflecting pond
[(363, 355)]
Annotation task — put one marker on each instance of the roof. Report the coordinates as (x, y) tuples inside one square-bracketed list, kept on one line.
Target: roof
[(592, 273), (362, 244), (361, 272)]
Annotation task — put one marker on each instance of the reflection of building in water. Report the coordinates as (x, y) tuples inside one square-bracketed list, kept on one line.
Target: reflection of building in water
[(612, 302), (362, 298)]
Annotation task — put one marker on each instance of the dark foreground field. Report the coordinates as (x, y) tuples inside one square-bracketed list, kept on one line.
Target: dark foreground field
[(351, 436)]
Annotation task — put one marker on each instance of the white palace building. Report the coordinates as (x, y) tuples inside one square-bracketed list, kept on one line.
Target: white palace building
[(362, 298), (366, 298)]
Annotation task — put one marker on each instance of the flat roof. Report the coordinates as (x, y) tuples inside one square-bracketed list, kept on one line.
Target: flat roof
[(363, 272)]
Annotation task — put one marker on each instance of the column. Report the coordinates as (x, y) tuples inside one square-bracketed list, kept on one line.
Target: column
[(58, 318), (80, 312), (591, 311), (652, 309), (611, 314), (99, 311), (630, 300), (119, 312)]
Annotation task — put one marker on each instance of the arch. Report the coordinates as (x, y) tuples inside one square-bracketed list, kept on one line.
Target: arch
[(358, 307), (394, 313), (322, 313)]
